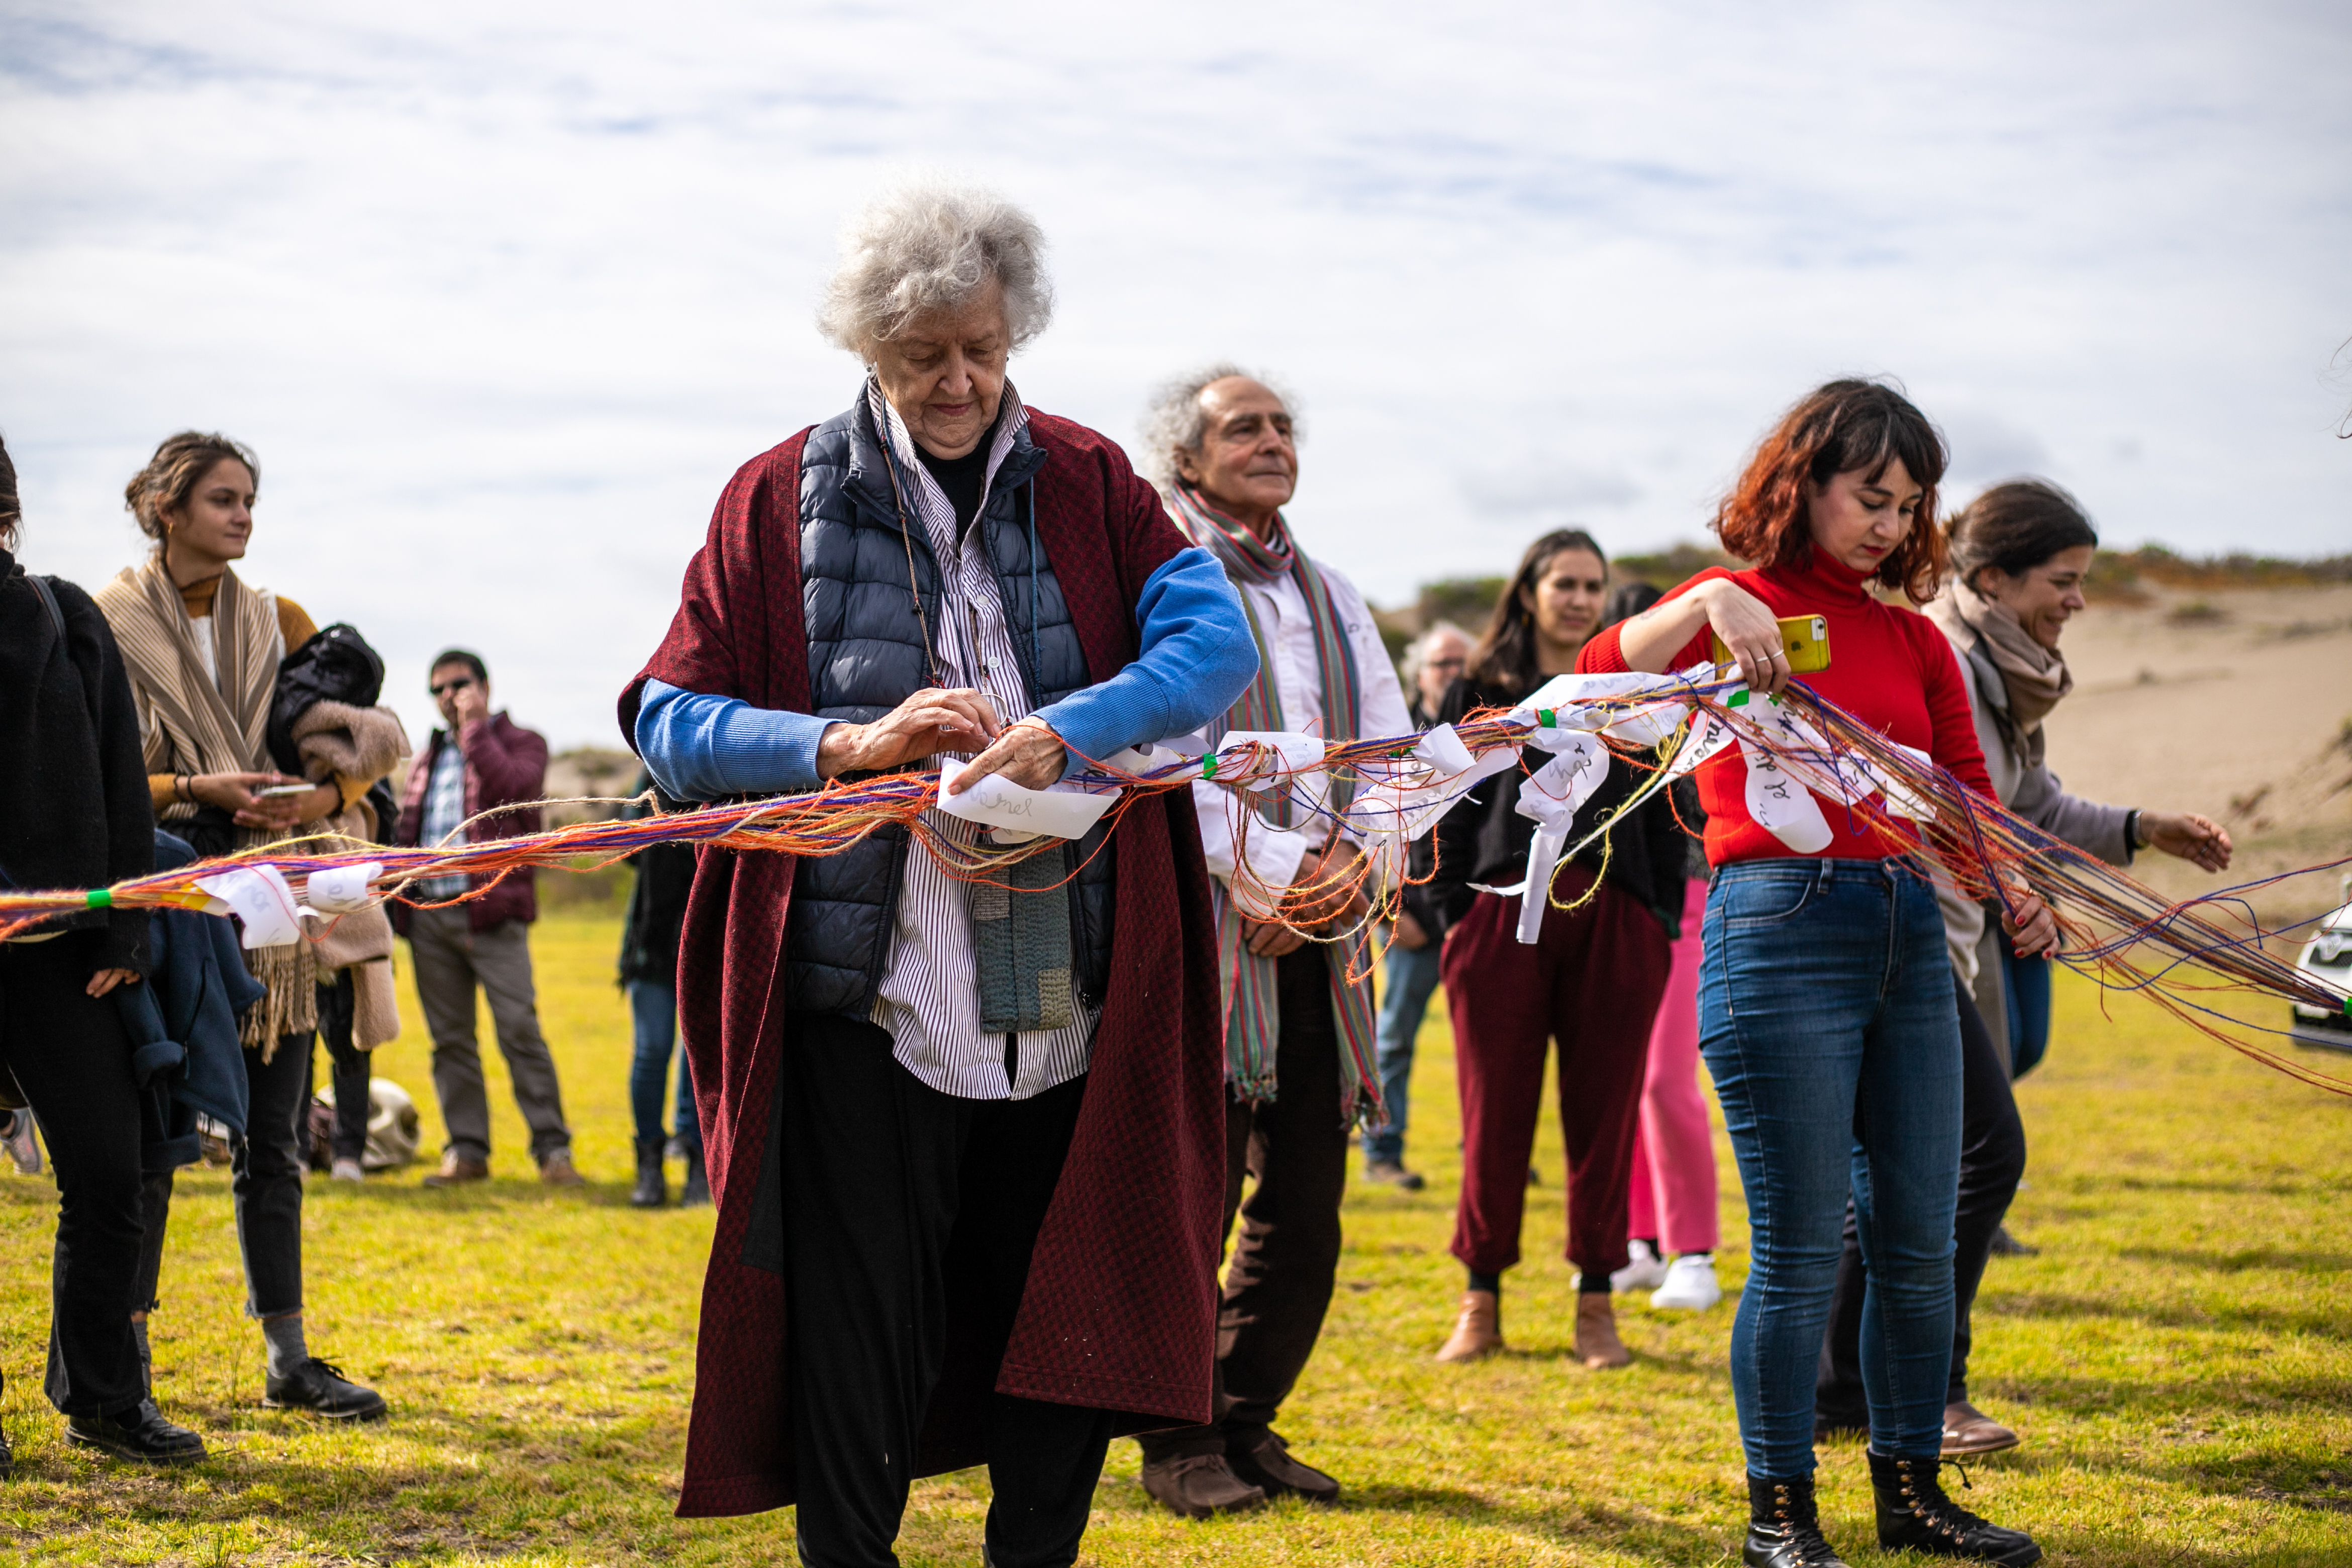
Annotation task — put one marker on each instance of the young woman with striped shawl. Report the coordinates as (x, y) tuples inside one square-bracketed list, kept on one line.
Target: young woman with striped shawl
[(1299, 1046), (202, 651)]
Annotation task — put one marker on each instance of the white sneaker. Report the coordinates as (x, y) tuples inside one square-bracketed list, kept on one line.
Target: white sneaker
[(1647, 1271), (347, 1170), (1689, 1283)]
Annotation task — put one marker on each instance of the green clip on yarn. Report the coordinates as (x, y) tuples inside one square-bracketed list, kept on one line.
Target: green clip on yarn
[(1209, 765), (101, 899), (1548, 717)]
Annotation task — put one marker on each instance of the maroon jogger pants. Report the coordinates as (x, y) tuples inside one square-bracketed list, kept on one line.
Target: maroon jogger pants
[(1592, 981)]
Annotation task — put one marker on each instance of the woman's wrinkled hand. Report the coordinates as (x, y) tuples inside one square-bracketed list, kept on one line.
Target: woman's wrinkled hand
[(933, 719), (1028, 753)]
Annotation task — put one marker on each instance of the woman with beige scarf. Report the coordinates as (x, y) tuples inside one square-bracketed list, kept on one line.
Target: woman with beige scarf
[(2019, 552), (203, 650)]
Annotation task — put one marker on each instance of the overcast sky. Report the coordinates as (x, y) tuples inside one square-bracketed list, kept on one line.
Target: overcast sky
[(503, 294)]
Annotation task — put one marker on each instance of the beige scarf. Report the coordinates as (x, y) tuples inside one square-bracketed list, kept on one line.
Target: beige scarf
[(198, 724), (2035, 678)]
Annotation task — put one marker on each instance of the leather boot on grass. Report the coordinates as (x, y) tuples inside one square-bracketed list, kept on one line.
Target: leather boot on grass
[(1969, 1432), (1913, 1515), (139, 1433), (1597, 1344), (1784, 1528), (1478, 1330), (652, 1190), (697, 1194)]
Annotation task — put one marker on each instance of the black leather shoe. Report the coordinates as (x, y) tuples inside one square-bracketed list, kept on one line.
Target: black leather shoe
[(321, 1388), (652, 1190), (697, 1191), (1915, 1515), (1263, 1459), (1784, 1529), (140, 1432)]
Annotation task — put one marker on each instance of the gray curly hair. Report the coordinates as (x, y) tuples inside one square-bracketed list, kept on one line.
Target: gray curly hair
[(1174, 421), (928, 243)]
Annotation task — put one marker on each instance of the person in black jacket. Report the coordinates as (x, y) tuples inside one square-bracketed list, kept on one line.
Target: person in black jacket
[(1592, 980), (649, 972), (74, 814)]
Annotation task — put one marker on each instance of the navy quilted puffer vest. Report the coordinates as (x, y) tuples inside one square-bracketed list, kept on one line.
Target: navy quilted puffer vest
[(866, 655)]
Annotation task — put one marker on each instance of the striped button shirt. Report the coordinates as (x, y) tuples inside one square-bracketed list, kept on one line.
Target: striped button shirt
[(444, 808), (929, 996)]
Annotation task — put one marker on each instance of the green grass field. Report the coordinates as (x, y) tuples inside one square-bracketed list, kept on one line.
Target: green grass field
[(2176, 1356)]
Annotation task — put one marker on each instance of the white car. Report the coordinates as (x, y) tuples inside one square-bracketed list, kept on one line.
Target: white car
[(2327, 958)]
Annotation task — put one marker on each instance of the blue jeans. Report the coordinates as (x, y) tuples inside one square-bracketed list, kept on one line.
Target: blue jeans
[(1827, 1018), (2028, 995), (1411, 980), (654, 1006)]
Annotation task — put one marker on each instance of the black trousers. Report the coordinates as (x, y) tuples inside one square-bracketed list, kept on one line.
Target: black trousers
[(906, 1212), (72, 1059), (265, 1181), (1992, 1161), (1278, 1287), (348, 1068)]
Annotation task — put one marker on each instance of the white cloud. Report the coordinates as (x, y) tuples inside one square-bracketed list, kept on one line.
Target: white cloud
[(502, 296)]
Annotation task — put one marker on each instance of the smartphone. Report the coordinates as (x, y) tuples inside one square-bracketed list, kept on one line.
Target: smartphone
[(1804, 639), (282, 791)]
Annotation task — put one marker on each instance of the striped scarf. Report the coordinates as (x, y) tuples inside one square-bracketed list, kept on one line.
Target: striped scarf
[(195, 723), (1253, 990)]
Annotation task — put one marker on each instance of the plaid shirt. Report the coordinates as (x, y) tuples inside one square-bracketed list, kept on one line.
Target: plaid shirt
[(444, 808)]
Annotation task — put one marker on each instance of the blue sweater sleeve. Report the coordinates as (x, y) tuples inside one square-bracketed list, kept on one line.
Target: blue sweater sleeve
[(707, 748), (1198, 656)]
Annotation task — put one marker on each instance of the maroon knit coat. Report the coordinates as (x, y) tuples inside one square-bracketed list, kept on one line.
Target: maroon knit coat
[(1120, 1309)]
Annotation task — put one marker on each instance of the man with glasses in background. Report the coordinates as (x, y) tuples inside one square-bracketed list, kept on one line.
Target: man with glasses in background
[(482, 763)]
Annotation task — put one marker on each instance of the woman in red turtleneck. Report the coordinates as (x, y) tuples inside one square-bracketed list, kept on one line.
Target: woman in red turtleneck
[(1826, 1010)]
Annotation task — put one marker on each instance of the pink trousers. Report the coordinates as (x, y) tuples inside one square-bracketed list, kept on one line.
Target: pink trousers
[(1674, 1195)]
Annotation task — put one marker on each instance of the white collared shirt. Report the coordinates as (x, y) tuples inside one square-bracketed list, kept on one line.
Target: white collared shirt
[(1275, 854)]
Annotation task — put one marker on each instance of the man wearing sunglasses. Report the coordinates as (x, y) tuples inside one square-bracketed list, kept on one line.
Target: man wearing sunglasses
[(482, 763)]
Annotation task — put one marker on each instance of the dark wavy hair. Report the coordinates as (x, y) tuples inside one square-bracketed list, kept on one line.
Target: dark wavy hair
[(1506, 656), (2016, 526), (12, 509), (1837, 429)]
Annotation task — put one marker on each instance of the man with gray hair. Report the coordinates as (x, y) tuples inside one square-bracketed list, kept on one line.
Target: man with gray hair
[(1432, 661), (1298, 1028), (966, 1137)]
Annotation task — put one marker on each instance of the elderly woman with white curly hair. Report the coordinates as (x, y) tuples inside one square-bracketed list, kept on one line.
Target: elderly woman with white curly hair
[(966, 1138)]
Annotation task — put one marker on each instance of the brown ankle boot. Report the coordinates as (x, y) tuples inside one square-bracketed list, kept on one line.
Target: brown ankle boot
[(1597, 1344), (1478, 1332)]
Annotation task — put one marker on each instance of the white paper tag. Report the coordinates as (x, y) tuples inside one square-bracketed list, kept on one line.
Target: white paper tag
[(259, 897), (341, 890), (1442, 749), (1543, 855), (1059, 812), (1709, 735), (1782, 805), (1299, 753), (1558, 790)]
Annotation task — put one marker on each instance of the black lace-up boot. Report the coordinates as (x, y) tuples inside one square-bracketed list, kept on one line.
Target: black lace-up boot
[(1915, 1515), (1784, 1530)]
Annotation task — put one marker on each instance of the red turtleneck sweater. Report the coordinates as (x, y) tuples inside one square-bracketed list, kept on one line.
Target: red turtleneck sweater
[(1888, 666)]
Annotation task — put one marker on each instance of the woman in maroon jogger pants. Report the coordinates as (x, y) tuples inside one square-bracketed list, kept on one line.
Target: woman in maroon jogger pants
[(1590, 981)]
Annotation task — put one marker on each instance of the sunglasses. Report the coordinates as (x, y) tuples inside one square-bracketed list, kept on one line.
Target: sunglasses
[(446, 687)]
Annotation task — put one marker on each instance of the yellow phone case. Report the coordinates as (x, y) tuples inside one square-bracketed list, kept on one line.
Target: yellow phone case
[(1804, 639)]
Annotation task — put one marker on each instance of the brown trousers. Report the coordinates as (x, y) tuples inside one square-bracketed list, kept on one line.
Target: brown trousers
[(452, 958), (1279, 1285)]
